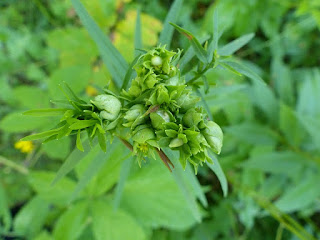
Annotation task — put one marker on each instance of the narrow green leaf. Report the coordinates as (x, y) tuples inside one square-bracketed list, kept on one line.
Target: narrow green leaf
[(189, 54), (74, 158), (79, 143), (261, 94), (241, 68), (80, 124), (312, 125), (196, 186), (205, 104), (235, 45), (228, 67), (124, 174), (70, 93), (185, 189), (198, 49), (216, 168), (99, 159), (138, 36), (102, 141), (110, 55), (167, 31), (41, 135), (46, 112), (213, 46), (130, 73)]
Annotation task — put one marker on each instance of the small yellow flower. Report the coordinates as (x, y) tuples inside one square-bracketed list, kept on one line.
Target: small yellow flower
[(24, 146), (143, 148), (91, 91)]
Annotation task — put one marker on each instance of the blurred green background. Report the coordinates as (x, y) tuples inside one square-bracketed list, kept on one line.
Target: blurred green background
[(272, 142)]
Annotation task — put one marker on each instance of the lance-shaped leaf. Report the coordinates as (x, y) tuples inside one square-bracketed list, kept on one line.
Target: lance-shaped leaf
[(198, 49), (110, 55), (46, 112), (216, 168), (167, 32), (137, 35), (235, 45), (42, 135), (80, 124), (73, 159), (213, 46)]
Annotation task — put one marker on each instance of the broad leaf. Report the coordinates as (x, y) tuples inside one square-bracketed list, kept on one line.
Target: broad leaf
[(72, 223), (108, 224), (35, 212), (153, 197)]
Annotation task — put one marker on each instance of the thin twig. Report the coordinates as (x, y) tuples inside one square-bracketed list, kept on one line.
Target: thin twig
[(165, 159), (127, 144)]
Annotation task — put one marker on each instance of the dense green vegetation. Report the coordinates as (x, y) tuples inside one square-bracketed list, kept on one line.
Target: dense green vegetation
[(265, 97)]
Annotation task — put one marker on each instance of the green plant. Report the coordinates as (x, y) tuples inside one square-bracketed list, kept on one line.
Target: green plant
[(268, 128)]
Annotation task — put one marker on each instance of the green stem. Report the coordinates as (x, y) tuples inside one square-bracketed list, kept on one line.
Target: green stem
[(199, 74), (279, 232), (13, 165)]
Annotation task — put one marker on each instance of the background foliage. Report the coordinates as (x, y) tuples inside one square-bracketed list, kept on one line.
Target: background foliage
[(271, 147)]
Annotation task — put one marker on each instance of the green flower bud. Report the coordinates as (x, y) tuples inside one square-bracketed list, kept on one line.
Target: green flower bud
[(176, 142), (162, 94), (173, 71), (192, 118), (143, 135), (108, 105), (156, 61), (134, 116), (159, 117), (151, 80), (187, 101), (214, 136)]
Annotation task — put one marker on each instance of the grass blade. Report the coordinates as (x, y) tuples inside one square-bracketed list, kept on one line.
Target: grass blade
[(235, 45), (213, 46), (167, 31), (138, 35), (73, 159), (99, 158), (185, 188), (216, 168), (110, 55), (196, 186), (130, 73), (124, 173)]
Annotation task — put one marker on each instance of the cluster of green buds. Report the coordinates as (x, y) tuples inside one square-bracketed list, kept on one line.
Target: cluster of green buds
[(158, 111), (162, 112)]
